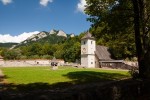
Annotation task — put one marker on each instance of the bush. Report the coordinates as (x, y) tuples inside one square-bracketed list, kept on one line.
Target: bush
[(23, 57), (134, 73), (35, 57), (46, 57)]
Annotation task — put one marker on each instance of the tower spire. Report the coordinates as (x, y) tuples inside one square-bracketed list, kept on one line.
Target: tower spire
[(88, 35)]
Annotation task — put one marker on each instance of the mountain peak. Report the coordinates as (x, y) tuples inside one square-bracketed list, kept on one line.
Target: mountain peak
[(44, 34), (52, 31), (72, 35), (61, 33)]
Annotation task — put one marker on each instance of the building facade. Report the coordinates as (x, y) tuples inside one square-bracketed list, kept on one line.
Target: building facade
[(96, 56), (88, 47)]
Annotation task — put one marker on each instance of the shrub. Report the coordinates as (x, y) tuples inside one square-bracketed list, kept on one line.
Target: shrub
[(134, 73)]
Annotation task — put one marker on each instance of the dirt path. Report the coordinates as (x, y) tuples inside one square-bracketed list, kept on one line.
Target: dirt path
[(1, 73), (1, 76)]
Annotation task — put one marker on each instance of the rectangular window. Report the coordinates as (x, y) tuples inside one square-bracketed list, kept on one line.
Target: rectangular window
[(91, 42), (84, 42), (91, 62)]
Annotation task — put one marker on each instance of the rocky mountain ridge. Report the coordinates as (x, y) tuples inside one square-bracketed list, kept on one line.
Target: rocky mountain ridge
[(46, 36)]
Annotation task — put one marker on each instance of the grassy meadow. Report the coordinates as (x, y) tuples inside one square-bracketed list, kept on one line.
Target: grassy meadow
[(28, 75)]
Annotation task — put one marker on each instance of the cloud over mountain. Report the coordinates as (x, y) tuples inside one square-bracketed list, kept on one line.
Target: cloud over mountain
[(45, 2), (81, 6), (17, 39)]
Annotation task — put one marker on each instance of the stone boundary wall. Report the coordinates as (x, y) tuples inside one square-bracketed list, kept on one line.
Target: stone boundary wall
[(131, 63), (23, 63), (40, 62)]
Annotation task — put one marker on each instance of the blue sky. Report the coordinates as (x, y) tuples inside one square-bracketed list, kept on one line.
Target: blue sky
[(20, 19)]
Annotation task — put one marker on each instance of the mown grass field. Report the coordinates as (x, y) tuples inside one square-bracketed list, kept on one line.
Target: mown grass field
[(28, 75)]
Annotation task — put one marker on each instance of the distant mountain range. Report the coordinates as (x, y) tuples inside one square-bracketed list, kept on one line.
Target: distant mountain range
[(52, 37), (44, 34)]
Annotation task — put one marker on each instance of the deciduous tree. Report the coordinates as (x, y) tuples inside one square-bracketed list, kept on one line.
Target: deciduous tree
[(119, 19)]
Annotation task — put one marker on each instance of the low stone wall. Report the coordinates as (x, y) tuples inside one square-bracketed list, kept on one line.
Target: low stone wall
[(23, 63), (131, 63)]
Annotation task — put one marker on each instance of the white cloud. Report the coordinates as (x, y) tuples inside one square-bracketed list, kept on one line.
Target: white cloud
[(17, 39), (5, 2), (45, 2), (81, 6)]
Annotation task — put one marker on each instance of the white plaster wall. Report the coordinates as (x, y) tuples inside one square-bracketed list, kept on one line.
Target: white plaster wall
[(84, 60), (91, 61), (88, 57), (84, 46), (91, 46)]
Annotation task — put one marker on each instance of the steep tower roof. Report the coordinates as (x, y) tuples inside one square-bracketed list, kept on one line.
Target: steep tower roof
[(87, 36)]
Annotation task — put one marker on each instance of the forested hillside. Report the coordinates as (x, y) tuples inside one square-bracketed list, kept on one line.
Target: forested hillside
[(67, 48), (7, 45)]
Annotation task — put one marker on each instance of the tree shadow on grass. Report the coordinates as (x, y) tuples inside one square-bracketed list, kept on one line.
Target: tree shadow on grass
[(45, 91), (2, 78), (91, 76), (37, 90), (77, 78)]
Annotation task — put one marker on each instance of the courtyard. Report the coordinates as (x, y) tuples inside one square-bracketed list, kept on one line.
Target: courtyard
[(67, 83), (26, 75)]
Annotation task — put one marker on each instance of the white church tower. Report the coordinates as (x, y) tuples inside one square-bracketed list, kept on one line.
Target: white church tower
[(88, 48)]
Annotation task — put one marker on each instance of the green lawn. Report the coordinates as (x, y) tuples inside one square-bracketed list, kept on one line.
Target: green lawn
[(29, 75)]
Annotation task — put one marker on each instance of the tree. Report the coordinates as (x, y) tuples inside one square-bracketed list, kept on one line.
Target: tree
[(116, 18), (11, 54), (71, 49), (112, 25), (59, 51), (47, 49), (142, 35)]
